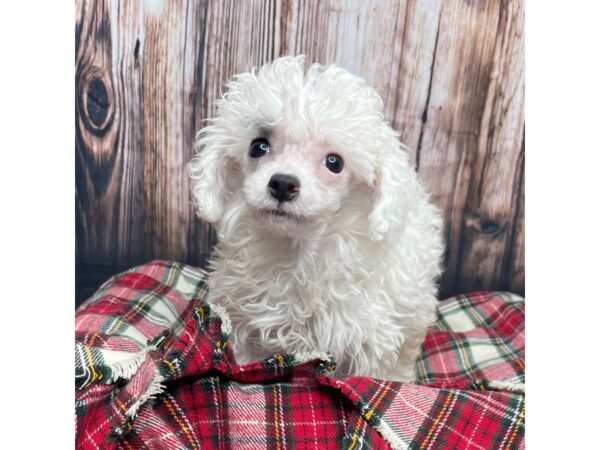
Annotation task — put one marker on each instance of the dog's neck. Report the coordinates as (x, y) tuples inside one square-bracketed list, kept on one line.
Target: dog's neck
[(326, 249)]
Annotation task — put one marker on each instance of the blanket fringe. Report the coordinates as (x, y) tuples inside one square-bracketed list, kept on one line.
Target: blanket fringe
[(156, 387), (507, 386), (126, 369), (304, 357), (390, 437), (220, 312)]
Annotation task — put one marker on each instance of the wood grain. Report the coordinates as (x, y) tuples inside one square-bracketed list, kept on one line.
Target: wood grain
[(450, 74)]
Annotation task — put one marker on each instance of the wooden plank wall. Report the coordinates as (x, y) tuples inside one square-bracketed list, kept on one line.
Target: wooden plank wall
[(451, 74)]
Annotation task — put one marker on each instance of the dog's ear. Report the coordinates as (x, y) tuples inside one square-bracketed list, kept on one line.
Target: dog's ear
[(393, 187), (210, 171)]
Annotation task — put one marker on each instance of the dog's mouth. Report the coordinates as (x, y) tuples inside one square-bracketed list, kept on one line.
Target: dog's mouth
[(280, 214), (277, 212)]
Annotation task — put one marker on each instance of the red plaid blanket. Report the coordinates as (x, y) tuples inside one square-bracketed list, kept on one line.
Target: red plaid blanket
[(153, 370)]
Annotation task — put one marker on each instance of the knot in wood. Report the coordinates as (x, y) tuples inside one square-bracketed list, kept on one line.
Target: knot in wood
[(484, 225), (96, 101)]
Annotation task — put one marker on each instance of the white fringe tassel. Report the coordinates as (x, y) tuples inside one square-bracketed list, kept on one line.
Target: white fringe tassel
[(126, 369), (390, 437), (155, 388), (507, 386)]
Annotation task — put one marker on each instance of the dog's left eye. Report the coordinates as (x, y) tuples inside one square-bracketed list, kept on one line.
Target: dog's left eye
[(259, 147), (334, 163)]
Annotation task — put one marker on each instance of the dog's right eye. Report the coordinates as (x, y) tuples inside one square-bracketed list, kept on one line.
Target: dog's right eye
[(259, 147)]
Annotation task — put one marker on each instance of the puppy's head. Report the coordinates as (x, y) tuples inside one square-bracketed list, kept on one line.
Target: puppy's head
[(289, 147)]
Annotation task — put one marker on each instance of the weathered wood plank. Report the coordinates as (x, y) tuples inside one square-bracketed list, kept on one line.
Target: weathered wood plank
[(513, 277), (492, 203), (469, 152), (450, 74), (127, 41), (97, 133)]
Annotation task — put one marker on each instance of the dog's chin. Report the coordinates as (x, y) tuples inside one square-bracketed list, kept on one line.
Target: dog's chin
[(282, 222)]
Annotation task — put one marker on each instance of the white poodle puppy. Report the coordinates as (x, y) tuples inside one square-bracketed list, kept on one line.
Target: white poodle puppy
[(327, 242)]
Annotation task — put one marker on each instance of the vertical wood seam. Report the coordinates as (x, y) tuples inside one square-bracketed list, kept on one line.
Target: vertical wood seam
[(427, 100)]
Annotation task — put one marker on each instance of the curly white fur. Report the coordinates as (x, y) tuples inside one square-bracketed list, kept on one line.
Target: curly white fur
[(351, 267)]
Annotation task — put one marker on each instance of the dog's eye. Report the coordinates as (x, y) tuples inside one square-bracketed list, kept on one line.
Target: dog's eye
[(334, 162), (259, 147)]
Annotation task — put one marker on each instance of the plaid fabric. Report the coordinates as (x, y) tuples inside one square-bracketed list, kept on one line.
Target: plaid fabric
[(153, 370), (478, 338)]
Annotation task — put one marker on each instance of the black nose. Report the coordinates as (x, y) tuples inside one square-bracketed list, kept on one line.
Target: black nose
[(284, 188)]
